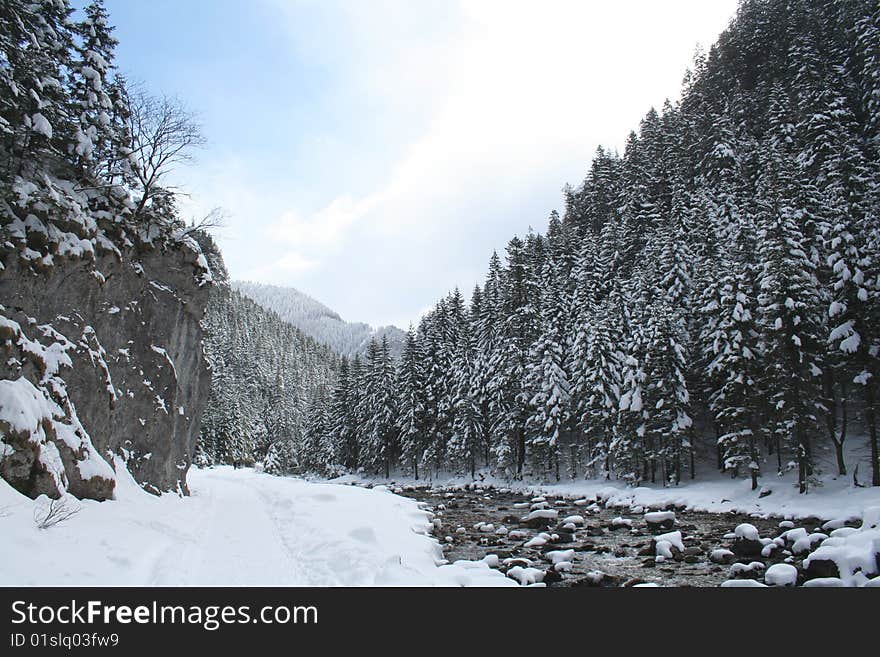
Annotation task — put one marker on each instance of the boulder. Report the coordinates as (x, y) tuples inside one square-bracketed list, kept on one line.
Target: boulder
[(598, 579), (746, 547), (820, 569), (660, 520), (721, 556)]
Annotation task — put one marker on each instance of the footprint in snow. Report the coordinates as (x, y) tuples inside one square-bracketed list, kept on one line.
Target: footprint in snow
[(363, 534)]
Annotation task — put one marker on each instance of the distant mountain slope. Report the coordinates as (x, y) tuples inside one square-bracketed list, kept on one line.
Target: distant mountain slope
[(317, 320)]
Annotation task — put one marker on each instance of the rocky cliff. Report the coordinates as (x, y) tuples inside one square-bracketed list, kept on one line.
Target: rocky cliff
[(102, 354), (102, 286)]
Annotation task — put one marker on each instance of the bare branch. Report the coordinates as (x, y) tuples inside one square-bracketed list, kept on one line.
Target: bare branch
[(163, 134), (56, 511), (215, 219)]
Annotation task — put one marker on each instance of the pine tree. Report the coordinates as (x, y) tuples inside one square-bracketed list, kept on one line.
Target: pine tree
[(547, 380), (788, 302), (95, 132), (410, 422), (378, 448)]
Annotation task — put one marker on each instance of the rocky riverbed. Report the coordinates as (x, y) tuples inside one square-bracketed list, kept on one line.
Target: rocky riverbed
[(579, 542)]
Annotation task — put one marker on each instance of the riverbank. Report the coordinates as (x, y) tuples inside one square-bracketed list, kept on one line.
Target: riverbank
[(833, 498)]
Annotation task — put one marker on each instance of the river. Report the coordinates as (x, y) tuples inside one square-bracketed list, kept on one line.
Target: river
[(605, 553)]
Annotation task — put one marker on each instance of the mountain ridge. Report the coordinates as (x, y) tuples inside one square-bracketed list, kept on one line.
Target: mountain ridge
[(318, 320)]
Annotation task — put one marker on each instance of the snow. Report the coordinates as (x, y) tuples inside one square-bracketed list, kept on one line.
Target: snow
[(547, 514), (537, 541), (854, 553), (781, 574), (835, 523), (719, 555), (41, 125), (673, 539), (492, 561), (746, 570), (526, 576), (747, 531), (805, 544), (836, 496), (657, 517), (239, 527), (24, 407), (824, 582), (742, 584), (558, 556)]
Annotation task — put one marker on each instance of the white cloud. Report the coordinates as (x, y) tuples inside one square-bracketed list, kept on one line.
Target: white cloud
[(323, 229), (294, 262)]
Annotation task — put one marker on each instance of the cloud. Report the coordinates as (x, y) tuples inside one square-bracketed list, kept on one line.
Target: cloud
[(325, 228), (294, 262), (464, 121)]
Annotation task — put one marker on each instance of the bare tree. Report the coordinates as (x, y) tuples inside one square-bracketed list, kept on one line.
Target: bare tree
[(56, 511), (163, 134), (214, 220)]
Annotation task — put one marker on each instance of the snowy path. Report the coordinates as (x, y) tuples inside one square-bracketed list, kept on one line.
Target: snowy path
[(237, 528)]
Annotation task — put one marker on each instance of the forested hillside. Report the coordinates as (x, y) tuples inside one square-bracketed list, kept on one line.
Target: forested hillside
[(265, 376), (318, 321), (713, 289)]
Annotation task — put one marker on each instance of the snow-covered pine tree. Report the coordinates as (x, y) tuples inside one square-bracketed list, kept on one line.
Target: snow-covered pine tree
[(36, 105), (466, 441), (340, 418), (316, 451), (730, 338), (547, 381), (788, 299), (95, 137), (595, 357), (378, 447), (410, 421), (630, 449)]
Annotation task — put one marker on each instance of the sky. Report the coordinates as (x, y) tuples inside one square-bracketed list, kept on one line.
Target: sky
[(373, 153)]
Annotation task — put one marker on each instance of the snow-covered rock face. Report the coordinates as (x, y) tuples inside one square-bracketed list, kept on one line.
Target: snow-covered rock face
[(107, 348)]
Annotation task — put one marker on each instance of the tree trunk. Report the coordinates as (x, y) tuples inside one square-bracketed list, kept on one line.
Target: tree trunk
[(871, 421), (520, 451), (753, 458), (831, 418), (778, 443), (803, 457)]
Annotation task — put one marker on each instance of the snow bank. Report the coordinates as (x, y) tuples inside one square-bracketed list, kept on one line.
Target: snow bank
[(856, 554), (835, 498), (238, 527)]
